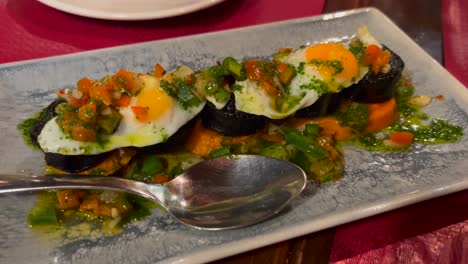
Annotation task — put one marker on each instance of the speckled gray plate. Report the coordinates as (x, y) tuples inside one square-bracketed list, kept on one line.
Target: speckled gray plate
[(374, 182)]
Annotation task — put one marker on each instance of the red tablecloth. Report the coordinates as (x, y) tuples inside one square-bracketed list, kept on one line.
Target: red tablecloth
[(31, 30), (433, 231)]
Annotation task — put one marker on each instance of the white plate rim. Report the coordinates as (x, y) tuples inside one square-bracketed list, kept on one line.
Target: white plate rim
[(146, 15)]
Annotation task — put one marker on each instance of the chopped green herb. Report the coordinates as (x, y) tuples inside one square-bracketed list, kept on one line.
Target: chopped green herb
[(336, 65), (438, 131), (231, 66), (109, 123), (300, 69), (222, 95), (317, 85), (357, 47), (224, 151), (181, 91), (44, 213), (151, 165), (312, 130), (356, 117), (176, 170), (26, 128), (236, 87), (286, 75), (275, 151), (306, 144)]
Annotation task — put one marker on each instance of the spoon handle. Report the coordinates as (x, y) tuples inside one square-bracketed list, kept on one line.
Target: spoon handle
[(20, 183)]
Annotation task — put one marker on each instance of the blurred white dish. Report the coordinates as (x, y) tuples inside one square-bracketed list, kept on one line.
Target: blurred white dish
[(129, 9)]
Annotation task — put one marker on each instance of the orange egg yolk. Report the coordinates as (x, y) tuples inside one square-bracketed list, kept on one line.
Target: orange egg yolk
[(323, 56), (155, 103)]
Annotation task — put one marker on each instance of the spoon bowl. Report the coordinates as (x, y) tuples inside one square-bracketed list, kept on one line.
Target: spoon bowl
[(222, 193)]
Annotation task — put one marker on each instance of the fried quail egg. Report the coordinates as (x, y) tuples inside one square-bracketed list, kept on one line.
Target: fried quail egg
[(164, 116), (320, 68)]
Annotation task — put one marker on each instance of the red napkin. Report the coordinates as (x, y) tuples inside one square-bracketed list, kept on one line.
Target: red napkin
[(32, 30)]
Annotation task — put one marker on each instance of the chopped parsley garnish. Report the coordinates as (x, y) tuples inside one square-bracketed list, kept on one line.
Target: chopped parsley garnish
[(182, 92), (317, 85), (356, 116), (357, 47), (336, 65)]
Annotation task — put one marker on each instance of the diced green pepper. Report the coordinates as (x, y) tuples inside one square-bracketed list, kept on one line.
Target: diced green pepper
[(275, 151), (305, 144), (312, 130), (286, 75), (176, 170), (108, 123), (186, 95), (44, 213), (301, 160), (151, 165), (141, 207), (232, 66), (216, 72), (224, 151), (222, 95), (212, 88), (63, 108), (219, 93), (326, 170), (182, 92)]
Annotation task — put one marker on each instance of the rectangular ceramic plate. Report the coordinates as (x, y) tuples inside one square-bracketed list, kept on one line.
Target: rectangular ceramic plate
[(374, 182)]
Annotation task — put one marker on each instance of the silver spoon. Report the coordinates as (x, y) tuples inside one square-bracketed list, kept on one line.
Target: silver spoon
[(222, 193)]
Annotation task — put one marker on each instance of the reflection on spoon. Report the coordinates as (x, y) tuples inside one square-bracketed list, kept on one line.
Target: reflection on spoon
[(222, 193)]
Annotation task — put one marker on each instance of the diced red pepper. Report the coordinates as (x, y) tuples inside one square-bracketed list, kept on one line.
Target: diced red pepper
[(159, 70), (402, 138)]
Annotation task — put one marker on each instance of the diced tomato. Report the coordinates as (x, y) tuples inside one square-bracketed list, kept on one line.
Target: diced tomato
[(285, 50), (91, 203), (402, 138), (282, 67), (87, 113), (84, 85), (82, 133), (104, 210), (375, 57), (68, 121), (440, 97), (382, 60), (276, 138), (126, 80), (74, 102), (269, 89), (189, 79), (141, 113), (84, 100), (258, 71), (102, 93), (161, 178), (159, 70), (124, 101), (253, 70), (371, 53), (68, 199)]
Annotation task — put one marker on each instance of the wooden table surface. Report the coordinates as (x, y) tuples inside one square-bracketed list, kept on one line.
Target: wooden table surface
[(421, 20)]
